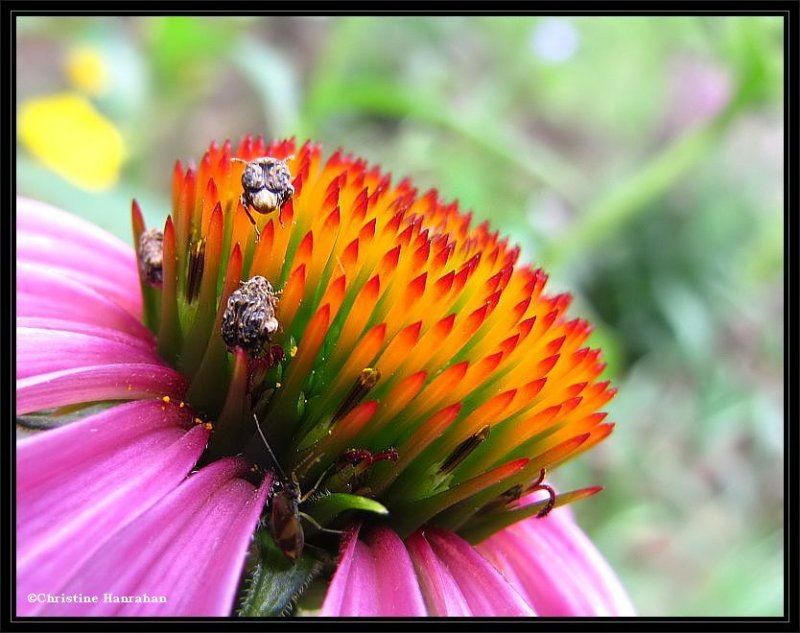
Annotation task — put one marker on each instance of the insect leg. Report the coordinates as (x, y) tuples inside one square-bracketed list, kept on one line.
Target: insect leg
[(246, 208), (316, 485), (313, 522)]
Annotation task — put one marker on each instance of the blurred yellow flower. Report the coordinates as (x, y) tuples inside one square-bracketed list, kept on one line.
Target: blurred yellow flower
[(67, 134), (86, 70)]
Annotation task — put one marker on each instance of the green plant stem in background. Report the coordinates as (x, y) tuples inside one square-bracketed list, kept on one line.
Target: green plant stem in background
[(634, 194), (331, 91), (749, 46), (386, 99), (277, 89)]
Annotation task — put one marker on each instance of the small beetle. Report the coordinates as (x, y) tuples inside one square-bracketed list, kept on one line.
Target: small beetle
[(150, 253), (266, 184), (249, 320)]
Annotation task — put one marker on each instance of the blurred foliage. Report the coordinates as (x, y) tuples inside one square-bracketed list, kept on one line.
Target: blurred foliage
[(638, 159)]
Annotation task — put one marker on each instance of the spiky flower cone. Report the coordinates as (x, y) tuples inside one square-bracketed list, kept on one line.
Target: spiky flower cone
[(402, 328)]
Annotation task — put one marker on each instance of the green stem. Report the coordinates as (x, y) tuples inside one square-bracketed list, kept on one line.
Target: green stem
[(377, 97), (636, 193)]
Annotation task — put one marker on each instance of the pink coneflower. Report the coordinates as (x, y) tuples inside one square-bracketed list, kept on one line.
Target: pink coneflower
[(365, 395)]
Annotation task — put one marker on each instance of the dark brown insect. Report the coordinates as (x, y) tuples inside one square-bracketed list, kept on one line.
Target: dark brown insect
[(249, 319), (284, 517), (266, 184), (284, 507)]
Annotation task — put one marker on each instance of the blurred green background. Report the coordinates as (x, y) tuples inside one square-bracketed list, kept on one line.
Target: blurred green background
[(638, 159)]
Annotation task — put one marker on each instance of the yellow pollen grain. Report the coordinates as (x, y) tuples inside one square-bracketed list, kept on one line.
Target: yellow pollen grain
[(277, 385), (166, 399), (208, 426), (293, 351)]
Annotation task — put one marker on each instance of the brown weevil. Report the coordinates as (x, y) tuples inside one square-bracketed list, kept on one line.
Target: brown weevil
[(266, 185), (249, 320), (150, 253)]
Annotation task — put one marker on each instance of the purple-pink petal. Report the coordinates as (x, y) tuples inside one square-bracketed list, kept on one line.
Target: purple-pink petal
[(44, 292), (42, 351), (441, 591), (77, 249), (374, 577), (486, 591), (225, 563), (361, 597), (556, 567), (396, 582), (79, 484), (337, 590), (433, 573), (119, 381), (63, 325), (189, 548)]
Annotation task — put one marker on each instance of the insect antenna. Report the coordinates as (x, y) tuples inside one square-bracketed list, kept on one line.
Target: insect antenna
[(269, 448)]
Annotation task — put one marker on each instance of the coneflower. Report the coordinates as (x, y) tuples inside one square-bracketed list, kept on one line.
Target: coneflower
[(310, 374)]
